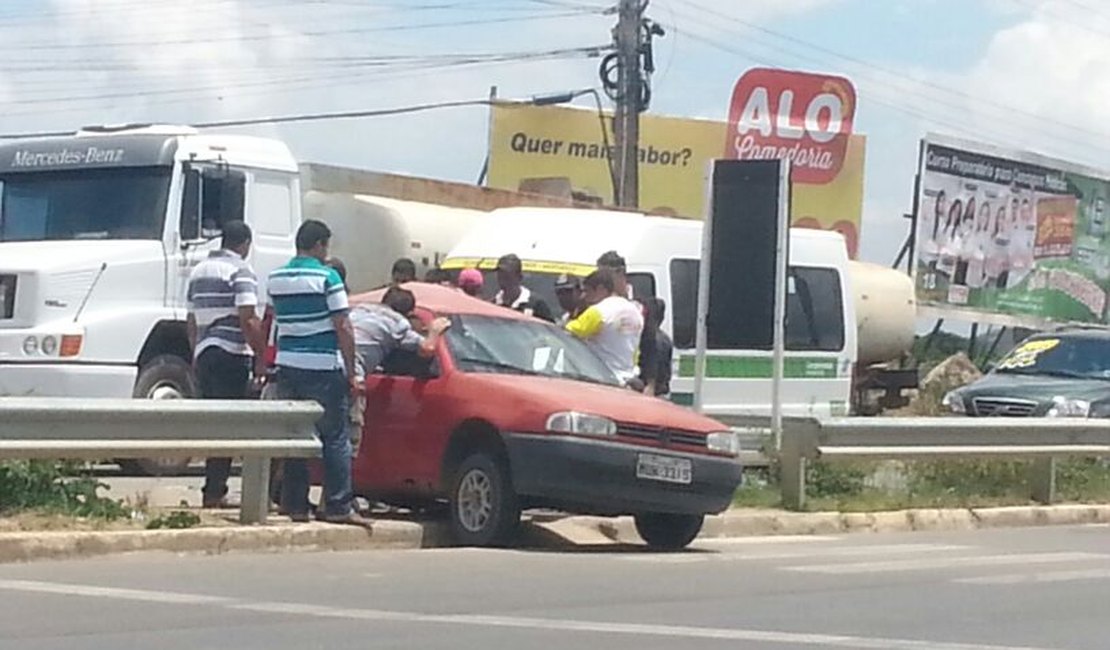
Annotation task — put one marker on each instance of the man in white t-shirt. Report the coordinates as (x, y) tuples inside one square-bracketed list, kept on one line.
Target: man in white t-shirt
[(611, 325)]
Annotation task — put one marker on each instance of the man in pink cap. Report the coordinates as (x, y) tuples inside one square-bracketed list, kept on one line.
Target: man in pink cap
[(471, 281)]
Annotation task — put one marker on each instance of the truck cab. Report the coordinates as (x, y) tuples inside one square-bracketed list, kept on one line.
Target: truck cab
[(99, 232)]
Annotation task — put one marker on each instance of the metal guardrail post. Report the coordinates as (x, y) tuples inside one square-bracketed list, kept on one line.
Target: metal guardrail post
[(799, 440), (1043, 480), (255, 505)]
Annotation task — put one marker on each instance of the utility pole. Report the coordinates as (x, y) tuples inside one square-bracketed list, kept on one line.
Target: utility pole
[(628, 38)]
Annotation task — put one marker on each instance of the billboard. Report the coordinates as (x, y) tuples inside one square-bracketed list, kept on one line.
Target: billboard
[(532, 143), (1010, 237)]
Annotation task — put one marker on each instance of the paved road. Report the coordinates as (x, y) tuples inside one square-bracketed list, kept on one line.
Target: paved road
[(986, 590)]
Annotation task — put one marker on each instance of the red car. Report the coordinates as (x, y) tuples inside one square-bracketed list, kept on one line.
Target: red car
[(514, 413)]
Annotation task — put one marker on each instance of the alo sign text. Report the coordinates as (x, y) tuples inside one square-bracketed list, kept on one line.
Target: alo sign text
[(800, 116)]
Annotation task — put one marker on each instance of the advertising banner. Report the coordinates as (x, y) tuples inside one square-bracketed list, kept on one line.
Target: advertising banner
[(1011, 237), (530, 144)]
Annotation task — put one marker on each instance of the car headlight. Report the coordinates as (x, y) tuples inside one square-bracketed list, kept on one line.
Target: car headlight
[(30, 345), (954, 402), (726, 442), (1063, 407), (581, 424)]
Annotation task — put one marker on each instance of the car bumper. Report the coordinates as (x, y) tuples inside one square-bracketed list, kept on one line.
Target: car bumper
[(599, 477), (66, 380)]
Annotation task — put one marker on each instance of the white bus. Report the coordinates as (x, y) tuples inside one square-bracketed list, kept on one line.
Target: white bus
[(662, 255)]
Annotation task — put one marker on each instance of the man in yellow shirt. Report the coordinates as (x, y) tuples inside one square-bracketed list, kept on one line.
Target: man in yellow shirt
[(611, 325)]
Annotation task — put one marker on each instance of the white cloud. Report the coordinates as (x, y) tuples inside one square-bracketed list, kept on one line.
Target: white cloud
[(1052, 66), (118, 61)]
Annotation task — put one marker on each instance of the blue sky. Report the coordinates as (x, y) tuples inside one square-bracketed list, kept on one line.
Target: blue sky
[(1003, 71)]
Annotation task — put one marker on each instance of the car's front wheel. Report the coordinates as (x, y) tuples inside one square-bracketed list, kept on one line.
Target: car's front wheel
[(484, 507), (668, 532)]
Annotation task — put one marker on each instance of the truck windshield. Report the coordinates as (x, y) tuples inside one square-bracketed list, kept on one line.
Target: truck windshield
[(118, 203), (512, 346)]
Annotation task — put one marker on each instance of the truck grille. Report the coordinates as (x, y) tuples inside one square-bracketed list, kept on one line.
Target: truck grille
[(7, 297), (661, 435), (998, 407)]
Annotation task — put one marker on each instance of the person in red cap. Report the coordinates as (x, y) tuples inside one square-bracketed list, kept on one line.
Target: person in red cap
[(471, 282)]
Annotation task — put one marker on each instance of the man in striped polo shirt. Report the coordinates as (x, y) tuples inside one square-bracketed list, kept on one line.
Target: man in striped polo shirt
[(316, 361), (224, 332)]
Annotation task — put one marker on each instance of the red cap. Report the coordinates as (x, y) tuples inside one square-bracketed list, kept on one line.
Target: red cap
[(471, 278)]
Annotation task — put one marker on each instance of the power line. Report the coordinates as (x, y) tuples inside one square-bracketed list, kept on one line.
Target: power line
[(301, 34), (415, 64), (300, 117), (956, 127), (897, 102), (897, 74)]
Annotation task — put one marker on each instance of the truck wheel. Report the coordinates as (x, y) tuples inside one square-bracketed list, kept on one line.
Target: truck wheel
[(163, 377), (668, 532), (484, 506)]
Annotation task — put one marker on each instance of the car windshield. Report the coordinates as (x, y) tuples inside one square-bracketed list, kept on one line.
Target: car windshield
[(1079, 357), (124, 203), (512, 346)]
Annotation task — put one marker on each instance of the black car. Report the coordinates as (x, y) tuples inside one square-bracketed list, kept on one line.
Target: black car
[(1060, 374)]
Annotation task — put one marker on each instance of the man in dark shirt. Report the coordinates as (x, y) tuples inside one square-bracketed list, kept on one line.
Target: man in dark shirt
[(657, 376), (513, 294), (404, 270)]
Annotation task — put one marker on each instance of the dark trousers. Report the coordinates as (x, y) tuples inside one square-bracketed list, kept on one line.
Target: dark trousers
[(221, 375), (330, 390)]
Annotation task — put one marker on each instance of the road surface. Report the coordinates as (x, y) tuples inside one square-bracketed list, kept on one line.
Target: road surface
[(983, 590)]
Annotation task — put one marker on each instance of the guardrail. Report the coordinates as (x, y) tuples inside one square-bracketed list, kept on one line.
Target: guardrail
[(94, 429), (1042, 439)]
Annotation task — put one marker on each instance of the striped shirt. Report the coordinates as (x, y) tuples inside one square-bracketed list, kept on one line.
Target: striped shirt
[(306, 295), (218, 287)]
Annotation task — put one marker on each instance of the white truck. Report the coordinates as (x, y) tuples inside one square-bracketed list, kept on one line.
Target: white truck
[(100, 230)]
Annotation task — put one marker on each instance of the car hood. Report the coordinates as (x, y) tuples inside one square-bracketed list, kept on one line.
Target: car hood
[(533, 399), (1037, 388)]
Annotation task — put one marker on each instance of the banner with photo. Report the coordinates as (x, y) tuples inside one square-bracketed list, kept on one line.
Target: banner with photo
[(1011, 234)]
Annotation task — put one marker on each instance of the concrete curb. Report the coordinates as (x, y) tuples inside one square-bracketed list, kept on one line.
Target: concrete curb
[(390, 534), (393, 535), (752, 523)]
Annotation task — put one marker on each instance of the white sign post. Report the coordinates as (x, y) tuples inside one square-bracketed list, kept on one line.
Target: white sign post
[(700, 330), (778, 346)]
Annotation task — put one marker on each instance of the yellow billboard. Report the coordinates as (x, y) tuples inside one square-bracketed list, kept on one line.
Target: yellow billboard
[(531, 146)]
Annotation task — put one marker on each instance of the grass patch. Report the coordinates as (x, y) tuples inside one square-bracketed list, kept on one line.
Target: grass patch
[(175, 520), (63, 488), (871, 487)]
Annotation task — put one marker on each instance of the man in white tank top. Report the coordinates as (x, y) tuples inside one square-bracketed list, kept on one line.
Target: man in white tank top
[(611, 325)]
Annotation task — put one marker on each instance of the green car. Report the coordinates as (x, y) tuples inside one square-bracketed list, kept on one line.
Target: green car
[(1060, 374)]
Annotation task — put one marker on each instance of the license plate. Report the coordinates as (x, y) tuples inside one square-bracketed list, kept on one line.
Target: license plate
[(664, 468)]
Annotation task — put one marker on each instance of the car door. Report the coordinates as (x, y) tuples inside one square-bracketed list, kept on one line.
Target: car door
[(407, 424)]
